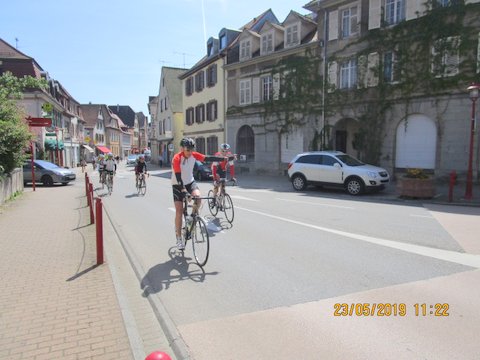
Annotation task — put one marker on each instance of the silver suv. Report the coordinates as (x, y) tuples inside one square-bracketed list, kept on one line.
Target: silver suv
[(335, 168)]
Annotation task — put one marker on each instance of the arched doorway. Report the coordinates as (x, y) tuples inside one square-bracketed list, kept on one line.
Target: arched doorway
[(246, 143), (416, 143)]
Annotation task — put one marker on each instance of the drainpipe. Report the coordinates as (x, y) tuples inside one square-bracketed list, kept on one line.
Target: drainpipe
[(325, 73)]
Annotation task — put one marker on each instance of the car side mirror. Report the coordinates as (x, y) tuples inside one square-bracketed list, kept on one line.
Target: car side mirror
[(337, 165)]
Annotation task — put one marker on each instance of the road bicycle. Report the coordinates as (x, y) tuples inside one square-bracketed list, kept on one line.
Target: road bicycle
[(194, 228), (109, 181), (141, 184), (222, 201)]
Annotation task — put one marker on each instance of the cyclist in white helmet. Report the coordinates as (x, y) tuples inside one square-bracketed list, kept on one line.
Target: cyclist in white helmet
[(219, 169)]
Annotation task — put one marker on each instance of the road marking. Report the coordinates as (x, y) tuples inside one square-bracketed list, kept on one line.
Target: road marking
[(318, 204), (446, 255), (423, 216), (242, 197)]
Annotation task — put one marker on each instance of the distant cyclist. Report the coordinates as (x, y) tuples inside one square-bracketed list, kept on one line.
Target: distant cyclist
[(140, 167), (219, 169), (183, 181), (110, 165), (101, 168)]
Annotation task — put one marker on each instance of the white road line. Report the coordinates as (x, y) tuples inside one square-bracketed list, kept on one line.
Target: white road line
[(423, 216), (317, 204), (242, 197), (451, 256)]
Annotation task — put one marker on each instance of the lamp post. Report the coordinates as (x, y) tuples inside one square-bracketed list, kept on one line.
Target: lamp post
[(473, 90)]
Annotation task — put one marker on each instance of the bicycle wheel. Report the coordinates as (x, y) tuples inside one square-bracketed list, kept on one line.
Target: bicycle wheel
[(228, 208), (212, 204), (143, 187), (200, 241), (110, 184)]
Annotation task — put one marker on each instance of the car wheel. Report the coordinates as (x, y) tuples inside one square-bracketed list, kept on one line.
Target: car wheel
[(355, 186), (299, 182), (47, 180)]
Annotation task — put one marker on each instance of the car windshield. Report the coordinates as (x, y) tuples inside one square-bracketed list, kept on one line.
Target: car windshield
[(132, 157), (350, 161), (47, 165)]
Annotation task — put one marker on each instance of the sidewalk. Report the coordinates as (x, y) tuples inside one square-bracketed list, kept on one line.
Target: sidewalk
[(55, 303)]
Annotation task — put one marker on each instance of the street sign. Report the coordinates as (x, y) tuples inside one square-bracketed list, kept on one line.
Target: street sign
[(170, 147), (39, 121)]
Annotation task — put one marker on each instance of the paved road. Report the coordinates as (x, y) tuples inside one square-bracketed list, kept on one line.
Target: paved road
[(274, 278)]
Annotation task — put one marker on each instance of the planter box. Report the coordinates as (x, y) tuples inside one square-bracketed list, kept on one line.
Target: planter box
[(416, 188)]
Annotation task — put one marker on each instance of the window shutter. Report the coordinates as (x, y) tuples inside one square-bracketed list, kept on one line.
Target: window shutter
[(332, 76), (354, 20), (478, 54), (362, 71), (256, 90), (372, 69), (276, 86), (412, 8), (333, 25), (374, 14)]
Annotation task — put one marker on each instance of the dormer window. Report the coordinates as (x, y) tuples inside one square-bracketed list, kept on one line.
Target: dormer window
[(245, 50), (291, 35), (223, 41), (267, 43), (209, 49)]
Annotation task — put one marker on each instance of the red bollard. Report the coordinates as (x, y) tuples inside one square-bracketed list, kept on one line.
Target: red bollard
[(158, 355), (99, 228), (451, 184), (86, 184), (92, 217)]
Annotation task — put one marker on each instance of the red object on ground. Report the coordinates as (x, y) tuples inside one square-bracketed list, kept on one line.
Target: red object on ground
[(158, 355), (99, 228)]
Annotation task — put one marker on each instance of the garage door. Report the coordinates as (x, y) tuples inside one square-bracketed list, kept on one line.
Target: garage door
[(416, 143)]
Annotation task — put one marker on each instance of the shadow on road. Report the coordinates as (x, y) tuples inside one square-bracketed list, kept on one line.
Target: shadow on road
[(178, 268)]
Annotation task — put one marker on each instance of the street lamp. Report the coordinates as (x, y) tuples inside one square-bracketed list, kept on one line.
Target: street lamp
[(473, 90)]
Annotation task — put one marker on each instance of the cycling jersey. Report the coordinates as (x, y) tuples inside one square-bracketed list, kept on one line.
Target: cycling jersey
[(140, 167), (110, 165), (221, 166), (184, 166)]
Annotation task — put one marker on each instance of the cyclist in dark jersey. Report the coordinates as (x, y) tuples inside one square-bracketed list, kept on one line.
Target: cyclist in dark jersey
[(140, 167)]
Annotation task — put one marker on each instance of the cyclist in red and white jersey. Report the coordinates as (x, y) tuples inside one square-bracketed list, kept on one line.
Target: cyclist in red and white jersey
[(183, 181), (219, 169)]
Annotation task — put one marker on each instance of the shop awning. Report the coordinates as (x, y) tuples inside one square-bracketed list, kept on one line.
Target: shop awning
[(88, 148), (103, 149)]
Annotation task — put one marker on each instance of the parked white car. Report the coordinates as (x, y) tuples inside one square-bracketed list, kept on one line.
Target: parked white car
[(336, 169)]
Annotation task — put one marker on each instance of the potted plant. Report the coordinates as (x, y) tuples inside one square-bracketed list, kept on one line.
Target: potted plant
[(416, 183)]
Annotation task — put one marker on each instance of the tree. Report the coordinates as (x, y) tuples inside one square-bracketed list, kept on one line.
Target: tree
[(14, 133)]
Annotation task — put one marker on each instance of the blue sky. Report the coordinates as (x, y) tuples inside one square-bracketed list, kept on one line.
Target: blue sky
[(112, 51)]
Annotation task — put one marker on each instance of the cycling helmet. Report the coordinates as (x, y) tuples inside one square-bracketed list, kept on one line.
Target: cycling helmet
[(225, 147), (187, 143), (141, 157), (101, 156), (158, 355)]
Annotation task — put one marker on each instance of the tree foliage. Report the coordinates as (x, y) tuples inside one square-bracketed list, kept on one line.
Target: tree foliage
[(14, 133)]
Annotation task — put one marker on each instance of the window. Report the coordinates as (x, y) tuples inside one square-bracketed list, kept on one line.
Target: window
[(348, 74), (394, 11), (245, 92), (166, 102), (223, 41), (189, 116), (245, 50), (309, 159), (212, 144), (445, 56), (212, 109), (209, 49), (200, 113), (327, 160), (200, 145), (267, 88), (189, 86), (246, 142), (267, 43), (212, 75), (349, 22), (292, 37), (199, 81), (391, 73)]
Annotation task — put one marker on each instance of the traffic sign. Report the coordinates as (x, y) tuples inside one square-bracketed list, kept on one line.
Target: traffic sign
[(39, 121)]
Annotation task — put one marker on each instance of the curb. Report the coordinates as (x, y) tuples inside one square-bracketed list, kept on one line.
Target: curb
[(176, 342)]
